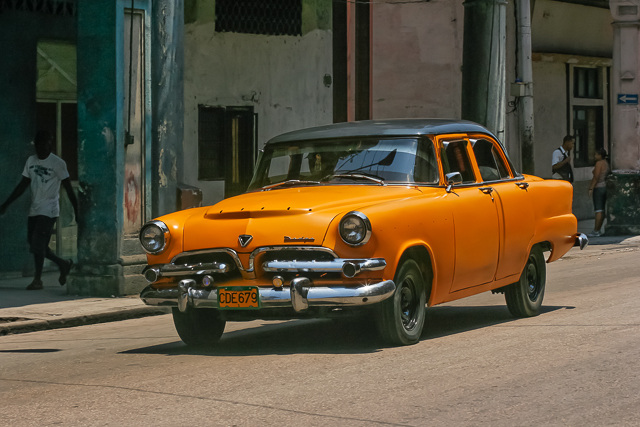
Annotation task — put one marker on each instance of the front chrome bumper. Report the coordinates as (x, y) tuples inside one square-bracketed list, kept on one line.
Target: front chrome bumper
[(300, 295)]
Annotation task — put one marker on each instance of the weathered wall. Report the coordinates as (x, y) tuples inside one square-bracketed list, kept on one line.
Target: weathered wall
[(416, 57), (167, 67), (280, 76), (550, 112), (560, 27), (19, 35)]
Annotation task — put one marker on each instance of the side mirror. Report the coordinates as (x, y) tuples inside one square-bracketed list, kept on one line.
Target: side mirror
[(453, 178)]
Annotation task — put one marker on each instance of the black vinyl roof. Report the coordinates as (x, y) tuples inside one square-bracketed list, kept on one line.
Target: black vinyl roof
[(386, 127)]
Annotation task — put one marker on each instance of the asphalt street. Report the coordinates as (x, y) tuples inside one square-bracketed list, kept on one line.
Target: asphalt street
[(577, 364)]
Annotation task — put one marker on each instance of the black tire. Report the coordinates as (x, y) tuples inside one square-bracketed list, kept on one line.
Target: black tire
[(400, 318), (524, 298), (200, 327)]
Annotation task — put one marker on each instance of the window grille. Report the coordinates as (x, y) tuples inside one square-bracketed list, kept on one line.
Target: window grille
[(268, 17), (51, 7)]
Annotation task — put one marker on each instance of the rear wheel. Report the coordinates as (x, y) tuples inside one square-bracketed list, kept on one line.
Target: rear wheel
[(200, 327), (401, 317), (524, 298)]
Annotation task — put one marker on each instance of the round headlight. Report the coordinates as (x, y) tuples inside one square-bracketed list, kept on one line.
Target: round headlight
[(355, 229), (154, 237)]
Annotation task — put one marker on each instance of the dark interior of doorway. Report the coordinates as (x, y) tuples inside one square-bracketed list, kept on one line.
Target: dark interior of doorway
[(227, 146)]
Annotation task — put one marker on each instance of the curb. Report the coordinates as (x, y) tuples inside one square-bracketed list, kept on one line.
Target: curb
[(22, 327)]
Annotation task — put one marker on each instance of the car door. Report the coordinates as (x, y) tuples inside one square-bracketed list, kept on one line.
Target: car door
[(475, 219), (514, 204)]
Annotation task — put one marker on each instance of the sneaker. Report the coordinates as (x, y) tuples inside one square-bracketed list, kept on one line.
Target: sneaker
[(36, 285), (64, 272), (594, 233)]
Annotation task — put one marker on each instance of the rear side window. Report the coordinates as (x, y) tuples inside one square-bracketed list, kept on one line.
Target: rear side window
[(456, 159)]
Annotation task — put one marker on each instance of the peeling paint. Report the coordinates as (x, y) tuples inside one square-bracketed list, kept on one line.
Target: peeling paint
[(174, 167), (163, 178)]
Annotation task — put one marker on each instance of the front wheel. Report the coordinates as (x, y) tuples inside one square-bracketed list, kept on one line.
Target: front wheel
[(524, 298), (200, 327), (401, 318)]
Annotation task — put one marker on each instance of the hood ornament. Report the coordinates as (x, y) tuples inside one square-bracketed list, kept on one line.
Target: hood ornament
[(244, 239)]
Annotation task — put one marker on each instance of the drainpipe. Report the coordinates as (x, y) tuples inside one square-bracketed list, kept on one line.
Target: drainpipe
[(525, 75)]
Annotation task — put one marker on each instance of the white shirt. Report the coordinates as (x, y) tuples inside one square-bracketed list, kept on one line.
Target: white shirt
[(558, 155), (46, 176)]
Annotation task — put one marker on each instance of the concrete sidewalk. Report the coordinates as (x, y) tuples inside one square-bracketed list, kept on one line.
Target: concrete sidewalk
[(51, 308), (28, 311)]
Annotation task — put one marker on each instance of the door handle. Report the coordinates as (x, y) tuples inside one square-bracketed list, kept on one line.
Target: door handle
[(522, 185), (487, 190)]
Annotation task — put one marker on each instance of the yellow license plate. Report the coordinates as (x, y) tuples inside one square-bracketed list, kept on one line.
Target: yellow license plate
[(239, 297)]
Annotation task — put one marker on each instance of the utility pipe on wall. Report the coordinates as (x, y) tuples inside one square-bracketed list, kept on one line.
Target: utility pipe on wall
[(525, 74)]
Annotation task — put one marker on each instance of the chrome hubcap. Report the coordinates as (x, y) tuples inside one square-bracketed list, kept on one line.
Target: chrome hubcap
[(408, 304), (533, 284)]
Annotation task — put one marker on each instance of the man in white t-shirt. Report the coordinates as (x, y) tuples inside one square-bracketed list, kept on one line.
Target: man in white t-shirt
[(561, 160), (44, 172)]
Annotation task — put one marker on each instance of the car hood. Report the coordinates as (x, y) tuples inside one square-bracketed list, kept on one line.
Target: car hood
[(270, 216)]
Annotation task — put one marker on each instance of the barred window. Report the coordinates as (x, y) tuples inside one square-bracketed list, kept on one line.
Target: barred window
[(269, 17), (51, 7)]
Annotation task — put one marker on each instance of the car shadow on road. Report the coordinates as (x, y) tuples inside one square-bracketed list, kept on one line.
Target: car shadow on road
[(336, 337), (451, 320)]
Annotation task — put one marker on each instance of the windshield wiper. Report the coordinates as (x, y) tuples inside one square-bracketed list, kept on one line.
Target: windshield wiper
[(289, 182), (355, 176)]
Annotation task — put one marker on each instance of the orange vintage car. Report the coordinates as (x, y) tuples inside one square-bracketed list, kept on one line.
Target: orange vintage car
[(377, 218)]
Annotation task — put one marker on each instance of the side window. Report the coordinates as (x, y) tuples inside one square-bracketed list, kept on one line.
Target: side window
[(490, 163), (502, 168), (426, 166), (456, 159)]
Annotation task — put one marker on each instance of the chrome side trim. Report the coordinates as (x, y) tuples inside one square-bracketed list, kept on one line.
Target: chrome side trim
[(258, 251), (170, 270), (335, 266), (254, 254), (228, 251), (298, 296), (581, 240)]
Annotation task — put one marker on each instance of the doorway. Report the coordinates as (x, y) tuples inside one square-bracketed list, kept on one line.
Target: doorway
[(227, 146), (60, 118), (57, 113)]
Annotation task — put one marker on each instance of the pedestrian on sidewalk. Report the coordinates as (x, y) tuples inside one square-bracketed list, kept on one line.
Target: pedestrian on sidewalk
[(44, 172), (561, 160), (598, 189)]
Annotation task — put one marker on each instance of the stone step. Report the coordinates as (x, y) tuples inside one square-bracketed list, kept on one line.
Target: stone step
[(134, 259), (133, 269), (134, 284), (131, 247)]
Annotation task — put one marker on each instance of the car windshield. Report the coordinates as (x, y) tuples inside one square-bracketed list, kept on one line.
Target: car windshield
[(371, 161)]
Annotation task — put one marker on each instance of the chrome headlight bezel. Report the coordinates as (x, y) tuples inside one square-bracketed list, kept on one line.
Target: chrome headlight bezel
[(365, 223), (164, 232)]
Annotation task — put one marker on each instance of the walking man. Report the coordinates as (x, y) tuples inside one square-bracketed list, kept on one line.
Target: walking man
[(561, 161), (44, 172)]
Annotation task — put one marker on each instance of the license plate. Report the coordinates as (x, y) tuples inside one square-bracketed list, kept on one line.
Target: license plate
[(239, 297)]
